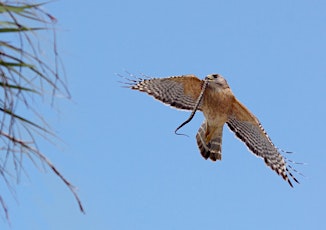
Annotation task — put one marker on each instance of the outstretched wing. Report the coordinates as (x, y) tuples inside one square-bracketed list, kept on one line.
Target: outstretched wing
[(247, 127), (180, 92)]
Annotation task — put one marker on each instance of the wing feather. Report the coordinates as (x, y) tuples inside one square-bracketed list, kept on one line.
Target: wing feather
[(180, 92), (248, 129)]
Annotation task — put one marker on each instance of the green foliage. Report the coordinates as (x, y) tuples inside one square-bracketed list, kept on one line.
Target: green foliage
[(24, 76)]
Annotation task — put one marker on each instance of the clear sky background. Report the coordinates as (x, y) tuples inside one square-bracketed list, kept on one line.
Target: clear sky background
[(119, 148)]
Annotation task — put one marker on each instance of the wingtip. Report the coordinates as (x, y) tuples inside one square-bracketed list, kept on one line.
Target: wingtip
[(289, 182)]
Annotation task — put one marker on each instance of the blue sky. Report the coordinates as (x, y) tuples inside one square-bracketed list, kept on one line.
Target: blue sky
[(119, 148)]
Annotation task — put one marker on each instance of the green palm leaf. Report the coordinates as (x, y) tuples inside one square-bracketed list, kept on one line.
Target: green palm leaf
[(25, 77)]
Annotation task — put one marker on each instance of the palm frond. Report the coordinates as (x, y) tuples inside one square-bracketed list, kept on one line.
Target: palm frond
[(25, 77)]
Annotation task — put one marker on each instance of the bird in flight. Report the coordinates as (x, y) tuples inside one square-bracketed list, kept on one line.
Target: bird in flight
[(215, 99)]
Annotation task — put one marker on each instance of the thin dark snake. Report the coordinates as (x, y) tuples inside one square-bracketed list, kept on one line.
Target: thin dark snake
[(199, 99)]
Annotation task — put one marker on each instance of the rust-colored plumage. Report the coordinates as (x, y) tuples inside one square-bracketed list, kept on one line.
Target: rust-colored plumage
[(219, 106)]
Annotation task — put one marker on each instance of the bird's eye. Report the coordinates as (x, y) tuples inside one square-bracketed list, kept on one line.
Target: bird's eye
[(215, 76)]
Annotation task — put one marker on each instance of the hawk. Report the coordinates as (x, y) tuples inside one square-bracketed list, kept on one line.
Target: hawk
[(215, 99)]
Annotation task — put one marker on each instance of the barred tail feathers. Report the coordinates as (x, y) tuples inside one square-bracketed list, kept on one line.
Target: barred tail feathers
[(209, 141)]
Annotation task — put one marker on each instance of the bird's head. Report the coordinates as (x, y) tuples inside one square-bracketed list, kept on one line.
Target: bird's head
[(218, 80)]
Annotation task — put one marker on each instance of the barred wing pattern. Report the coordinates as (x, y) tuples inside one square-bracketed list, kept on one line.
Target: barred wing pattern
[(180, 92), (219, 106), (250, 131)]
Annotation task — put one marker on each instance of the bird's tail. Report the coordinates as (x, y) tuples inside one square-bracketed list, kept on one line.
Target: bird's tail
[(209, 142)]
